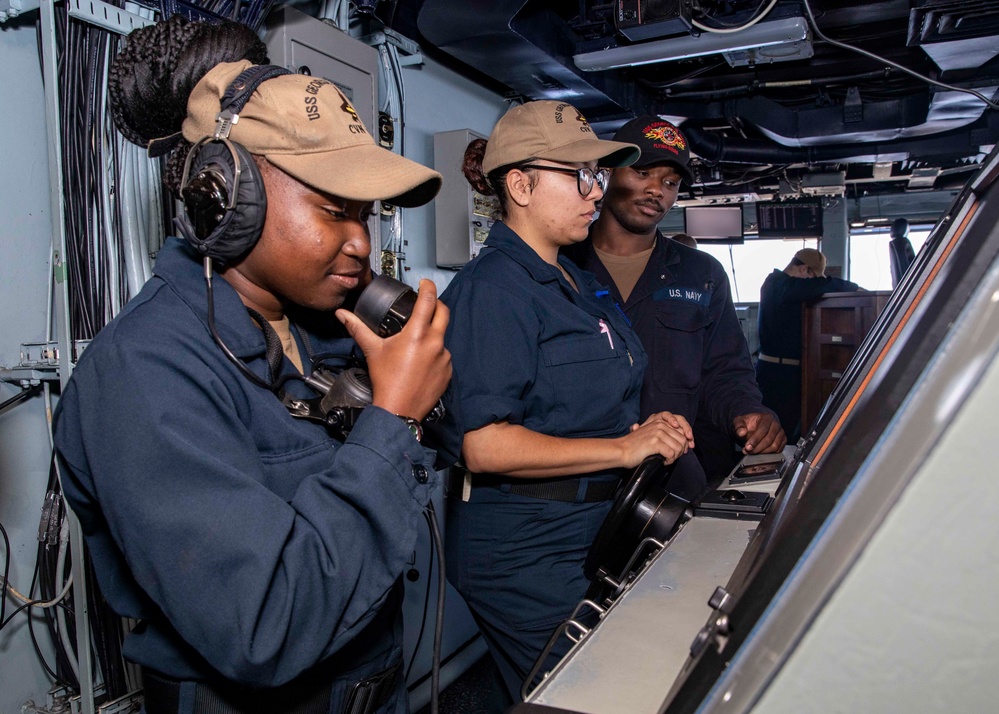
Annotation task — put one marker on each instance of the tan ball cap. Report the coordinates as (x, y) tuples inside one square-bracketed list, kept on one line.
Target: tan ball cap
[(551, 130), (307, 127), (813, 259)]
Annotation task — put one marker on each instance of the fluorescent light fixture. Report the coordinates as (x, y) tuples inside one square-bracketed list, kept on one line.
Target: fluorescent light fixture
[(764, 34)]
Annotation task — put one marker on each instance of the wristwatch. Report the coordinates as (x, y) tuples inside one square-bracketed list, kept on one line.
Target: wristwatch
[(414, 426)]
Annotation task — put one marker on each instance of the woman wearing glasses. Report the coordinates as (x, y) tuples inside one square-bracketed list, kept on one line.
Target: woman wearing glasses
[(549, 375)]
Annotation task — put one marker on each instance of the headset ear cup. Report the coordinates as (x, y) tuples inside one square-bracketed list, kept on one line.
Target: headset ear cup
[(208, 186)]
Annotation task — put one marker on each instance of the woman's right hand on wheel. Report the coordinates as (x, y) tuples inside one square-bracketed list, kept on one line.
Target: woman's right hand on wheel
[(410, 370), (666, 434)]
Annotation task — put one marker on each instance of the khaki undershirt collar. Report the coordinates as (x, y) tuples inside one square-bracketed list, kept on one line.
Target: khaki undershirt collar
[(288, 343), (625, 270)]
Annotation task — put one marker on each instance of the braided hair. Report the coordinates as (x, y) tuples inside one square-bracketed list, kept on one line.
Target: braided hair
[(153, 76)]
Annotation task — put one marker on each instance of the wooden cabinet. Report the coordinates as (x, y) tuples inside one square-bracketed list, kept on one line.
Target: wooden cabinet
[(833, 328)]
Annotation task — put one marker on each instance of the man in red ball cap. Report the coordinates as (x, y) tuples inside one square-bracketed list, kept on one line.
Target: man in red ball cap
[(679, 302)]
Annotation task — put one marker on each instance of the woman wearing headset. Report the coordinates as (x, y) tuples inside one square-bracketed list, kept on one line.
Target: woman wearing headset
[(548, 374), (260, 554)]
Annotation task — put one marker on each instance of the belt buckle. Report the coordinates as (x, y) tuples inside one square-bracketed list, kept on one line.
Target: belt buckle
[(369, 694), (360, 696)]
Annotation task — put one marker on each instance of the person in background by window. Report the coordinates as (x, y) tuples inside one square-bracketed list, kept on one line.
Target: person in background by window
[(778, 368), (679, 302), (900, 250)]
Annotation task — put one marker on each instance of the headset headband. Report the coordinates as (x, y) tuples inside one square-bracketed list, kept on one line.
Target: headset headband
[(238, 93)]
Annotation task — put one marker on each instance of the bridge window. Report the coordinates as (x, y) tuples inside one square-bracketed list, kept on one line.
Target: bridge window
[(748, 264), (870, 266)]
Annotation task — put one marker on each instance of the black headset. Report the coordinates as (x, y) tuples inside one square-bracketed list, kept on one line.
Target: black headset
[(222, 190)]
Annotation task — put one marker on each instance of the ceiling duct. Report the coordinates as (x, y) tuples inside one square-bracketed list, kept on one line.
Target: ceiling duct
[(956, 34), (832, 107), (715, 148), (483, 35)]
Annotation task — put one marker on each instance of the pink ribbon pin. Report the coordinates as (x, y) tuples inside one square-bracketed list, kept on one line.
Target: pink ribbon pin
[(604, 328)]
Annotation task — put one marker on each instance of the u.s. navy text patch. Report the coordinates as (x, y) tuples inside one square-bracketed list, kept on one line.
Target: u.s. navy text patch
[(685, 294)]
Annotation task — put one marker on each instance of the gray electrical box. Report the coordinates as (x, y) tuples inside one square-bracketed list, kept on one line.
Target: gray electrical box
[(306, 45), (463, 215)]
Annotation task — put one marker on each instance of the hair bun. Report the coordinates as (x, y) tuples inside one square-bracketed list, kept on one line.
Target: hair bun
[(471, 166), (146, 103), (151, 79)]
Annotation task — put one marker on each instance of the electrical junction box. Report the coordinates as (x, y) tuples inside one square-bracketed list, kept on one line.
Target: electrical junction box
[(463, 215), (306, 45), (645, 19), (824, 184)]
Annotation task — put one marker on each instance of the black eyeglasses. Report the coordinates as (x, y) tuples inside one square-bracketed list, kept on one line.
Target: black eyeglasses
[(585, 177)]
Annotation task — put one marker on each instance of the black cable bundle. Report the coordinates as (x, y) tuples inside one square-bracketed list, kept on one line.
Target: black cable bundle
[(108, 633), (249, 12), (97, 284), (45, 578), (106, 629), (46, 569), (45, 581)]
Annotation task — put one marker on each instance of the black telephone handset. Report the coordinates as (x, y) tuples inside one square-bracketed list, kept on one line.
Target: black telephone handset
[(385, 306)]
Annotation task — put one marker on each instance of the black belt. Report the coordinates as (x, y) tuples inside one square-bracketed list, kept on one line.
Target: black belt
[(555, 489), (162, 696)]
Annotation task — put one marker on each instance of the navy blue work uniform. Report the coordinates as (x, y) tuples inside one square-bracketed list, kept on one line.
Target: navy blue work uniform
[(528, 349), (781, 298), (699, 362), (253, 549)]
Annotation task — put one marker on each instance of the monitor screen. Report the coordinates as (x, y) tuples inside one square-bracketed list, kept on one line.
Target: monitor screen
[(714, 224), (798, 219)]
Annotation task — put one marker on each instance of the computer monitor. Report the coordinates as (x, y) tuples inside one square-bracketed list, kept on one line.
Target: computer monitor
[(714, 224), (792, 219)]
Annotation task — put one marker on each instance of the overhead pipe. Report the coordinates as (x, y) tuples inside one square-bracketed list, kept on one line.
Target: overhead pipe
[(715, 149)]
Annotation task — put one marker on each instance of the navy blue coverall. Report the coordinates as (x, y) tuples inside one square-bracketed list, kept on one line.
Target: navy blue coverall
[(528, 349), (253, 548), (781, 298), (699, 362)]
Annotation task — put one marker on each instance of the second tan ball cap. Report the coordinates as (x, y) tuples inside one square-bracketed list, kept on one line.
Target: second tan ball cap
[(551, 130)]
